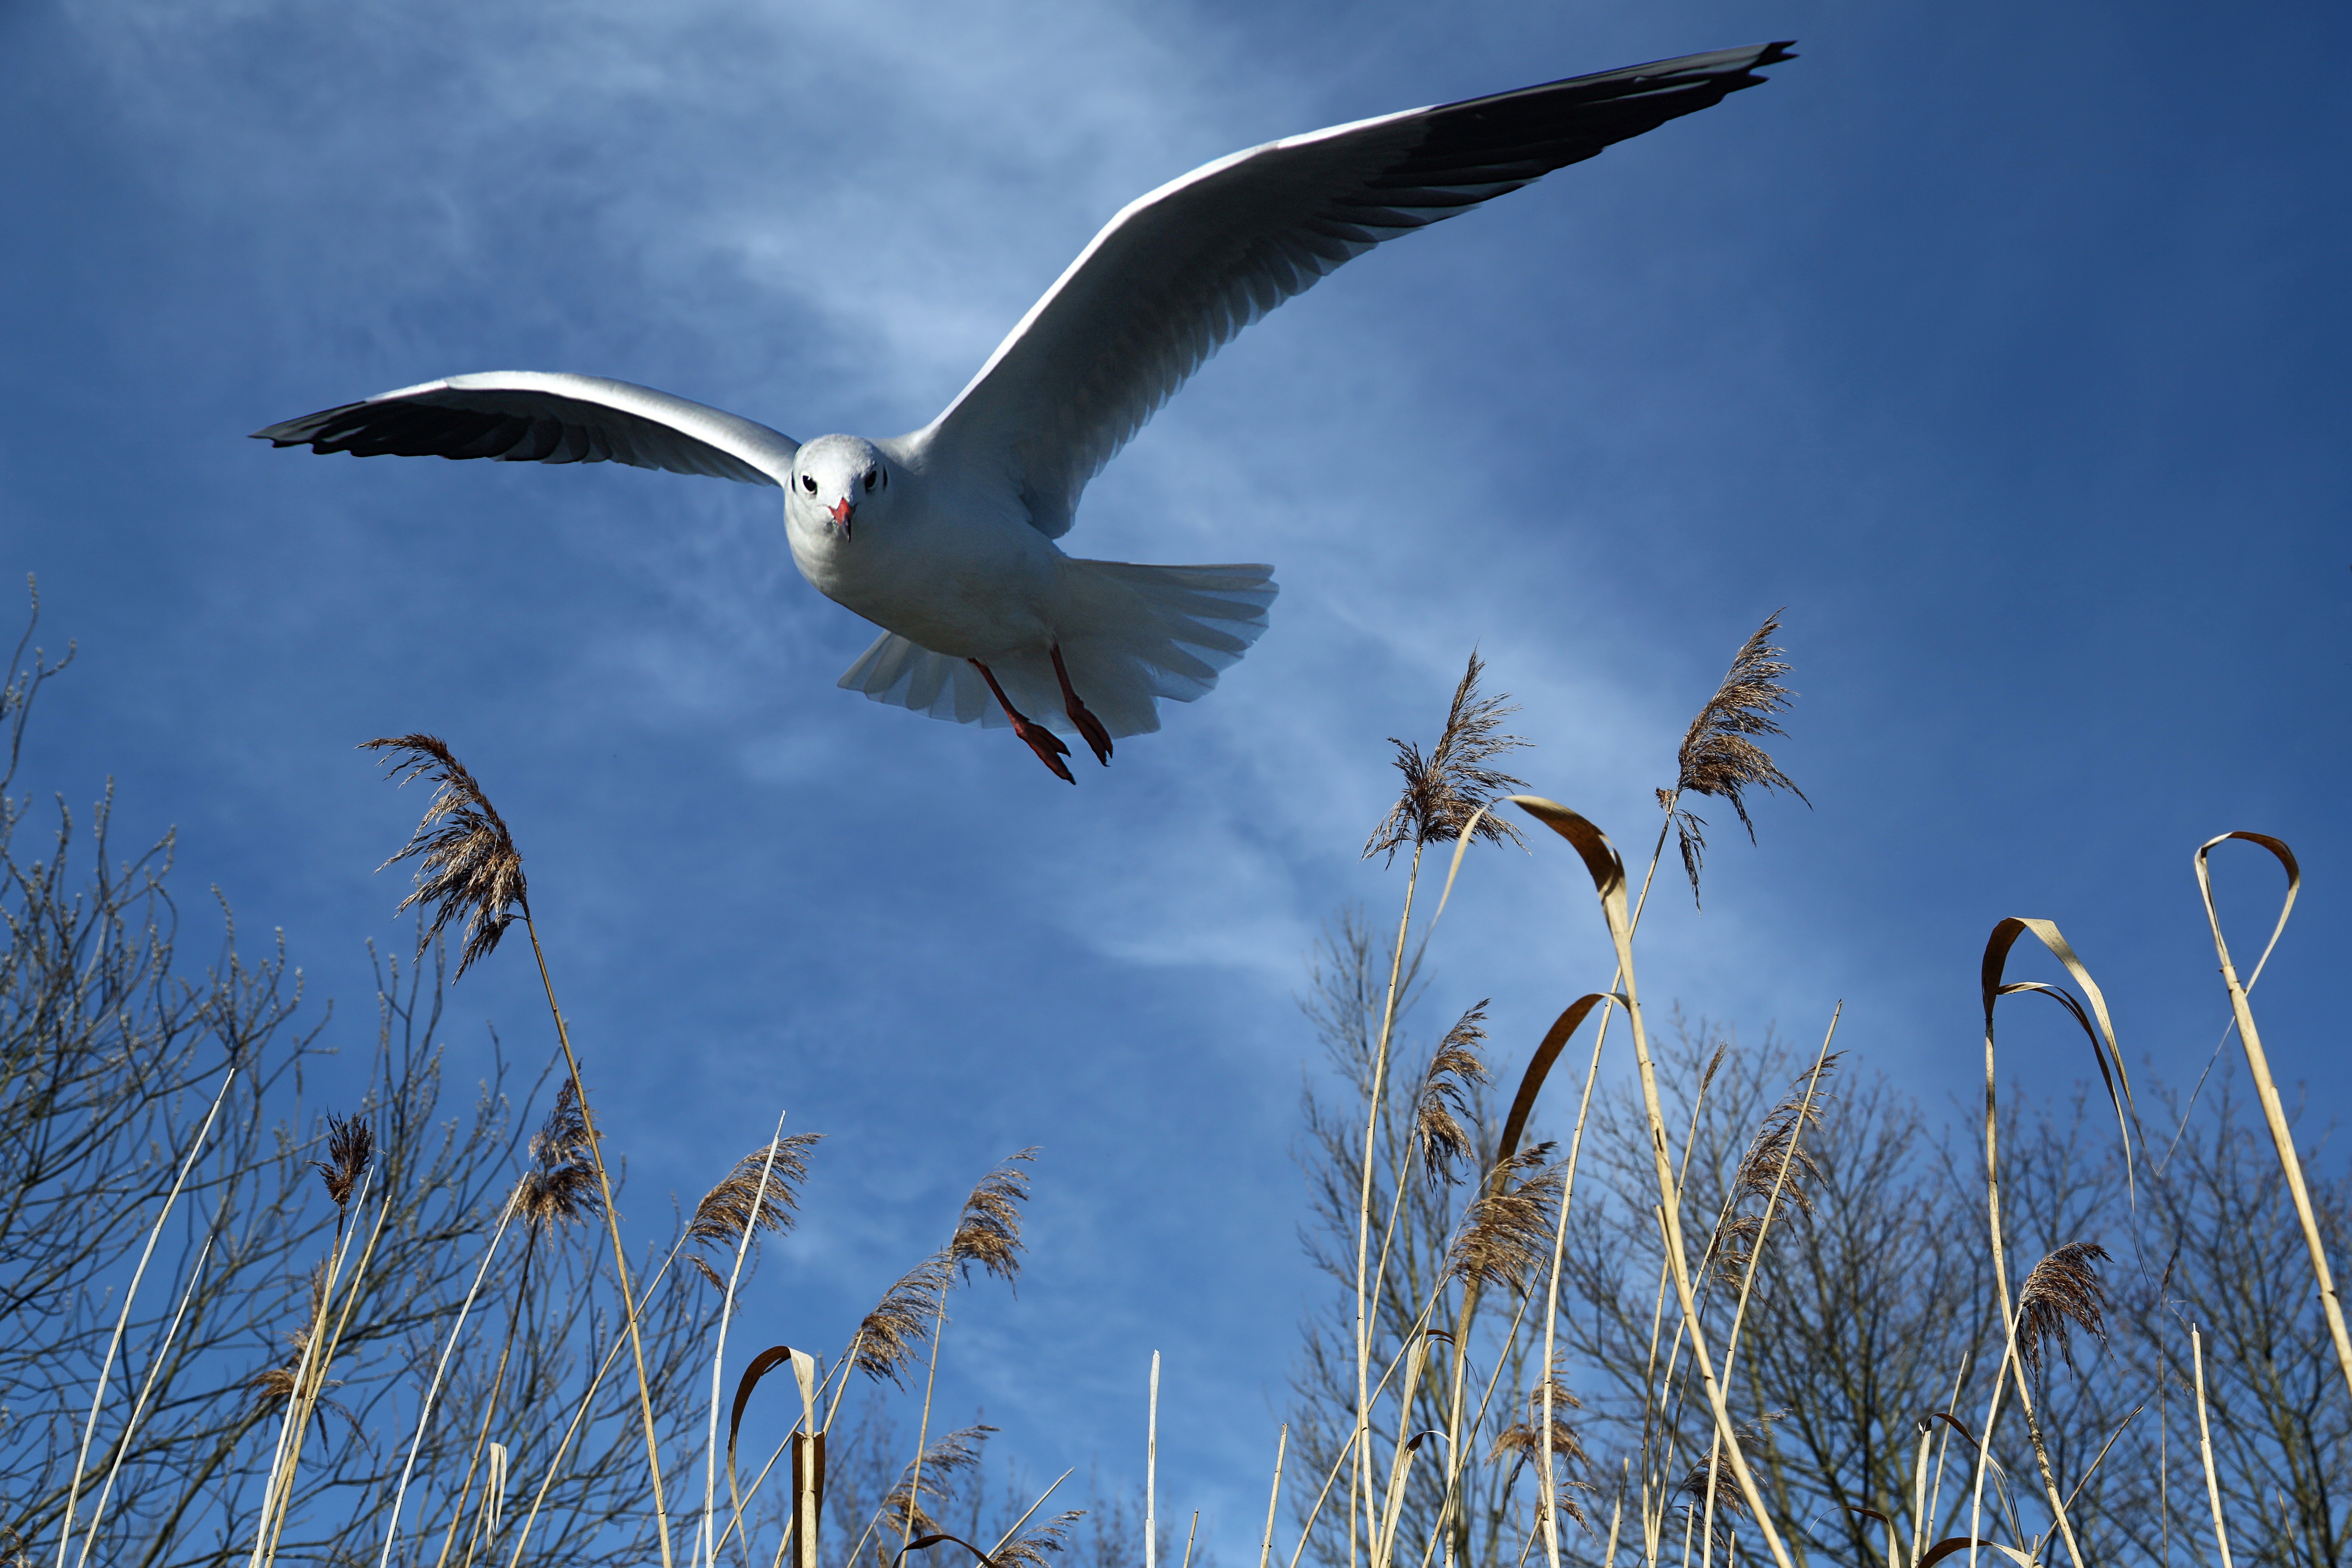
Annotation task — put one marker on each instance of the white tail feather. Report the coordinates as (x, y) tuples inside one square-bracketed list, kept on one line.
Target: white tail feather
[(1133, 634)]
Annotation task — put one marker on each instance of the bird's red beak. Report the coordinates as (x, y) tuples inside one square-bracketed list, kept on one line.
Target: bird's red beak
[(843, 509)]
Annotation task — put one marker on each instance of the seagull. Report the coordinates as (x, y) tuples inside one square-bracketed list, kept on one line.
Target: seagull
[(945, 538)]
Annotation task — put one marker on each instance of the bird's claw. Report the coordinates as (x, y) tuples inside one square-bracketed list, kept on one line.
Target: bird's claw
[(1097, 737), (1046, 745)]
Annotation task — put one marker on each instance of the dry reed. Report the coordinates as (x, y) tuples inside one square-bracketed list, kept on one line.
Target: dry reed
[(1719, 756), (468, 863), (1446, 790), (1456, 1071), (2062, 1290)]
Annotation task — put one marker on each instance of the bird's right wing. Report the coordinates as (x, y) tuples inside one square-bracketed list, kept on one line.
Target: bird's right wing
[(1175, 276), (535, 416)]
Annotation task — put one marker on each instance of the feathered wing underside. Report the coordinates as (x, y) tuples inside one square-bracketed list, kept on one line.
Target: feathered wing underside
[(536, 416), (1138, 633), (1175, 276)]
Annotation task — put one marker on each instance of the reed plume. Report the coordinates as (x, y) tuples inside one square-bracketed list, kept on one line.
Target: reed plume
[(1522, 1442), (2065, 1288), (1729, 1498), (1777, 1157), (1507, 1231), (902, 1505), (1445, 789), (1030, 1550), (469, 865), (762, 1192), (351, 1144), (988, 1232), (1718, 756), (560, 1185), (1455, 1068), (273, 1386), (899, 1326)]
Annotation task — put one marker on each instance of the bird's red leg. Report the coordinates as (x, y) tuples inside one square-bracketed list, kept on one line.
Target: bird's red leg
[(1041, 741), (1088, 725)]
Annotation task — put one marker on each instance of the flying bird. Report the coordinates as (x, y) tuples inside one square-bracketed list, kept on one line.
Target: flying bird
[(945, 538)]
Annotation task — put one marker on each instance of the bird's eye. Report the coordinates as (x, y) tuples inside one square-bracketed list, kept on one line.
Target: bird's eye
[(869, 480), (808, 483)]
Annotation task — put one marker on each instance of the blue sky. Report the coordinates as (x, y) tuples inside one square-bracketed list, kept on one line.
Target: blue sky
[(2003, 344)]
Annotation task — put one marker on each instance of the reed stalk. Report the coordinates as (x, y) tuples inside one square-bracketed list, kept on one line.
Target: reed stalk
[(1361, 1438), (310, 1378), (2205, 1447), (613, 1230), (1274, 1498), (139, 1406), (304, 1400), (433, 1389), (469, 867), (1551, 1294), (489, 1413), (2258, 1064), (1756, 1257), (923, 1430), (1608, 872), (122, 1319), (718, 1352), (1152, 1470)]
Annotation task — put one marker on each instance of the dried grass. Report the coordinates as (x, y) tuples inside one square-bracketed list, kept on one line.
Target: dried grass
[(2063, 1291), (1443, 790), (895, 1331), (762, 1192), (989, 1233), (1522, 1442), (1719, 756), (1777, 1158), (958, 1451), (1727, 1499), (1507, 1231), (351, 1144), (560, 1185), (1032, 1549), (1456, 1071), (469, 865)]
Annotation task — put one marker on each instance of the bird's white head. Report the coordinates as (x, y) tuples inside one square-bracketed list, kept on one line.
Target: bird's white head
[(839, 484)]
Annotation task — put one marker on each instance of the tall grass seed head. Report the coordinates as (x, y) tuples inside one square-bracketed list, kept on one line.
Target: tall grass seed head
[(1445, 789), (468, 863), (1718, 756)]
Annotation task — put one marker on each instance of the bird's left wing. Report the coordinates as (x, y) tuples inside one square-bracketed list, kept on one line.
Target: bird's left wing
[(536, 416), (1175, 276)]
